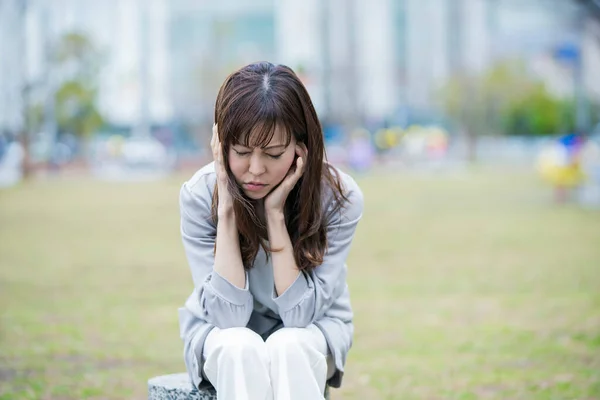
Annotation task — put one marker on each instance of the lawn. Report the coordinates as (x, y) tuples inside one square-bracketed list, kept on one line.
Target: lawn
[(465, 286)]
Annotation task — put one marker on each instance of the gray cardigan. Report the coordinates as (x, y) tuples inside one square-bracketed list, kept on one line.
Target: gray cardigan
[(320, 297)]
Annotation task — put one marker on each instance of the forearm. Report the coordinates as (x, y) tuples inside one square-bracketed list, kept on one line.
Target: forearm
[(228, 259), (285, 270)]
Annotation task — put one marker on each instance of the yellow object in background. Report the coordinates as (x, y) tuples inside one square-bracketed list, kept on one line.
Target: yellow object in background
[(558, 167)]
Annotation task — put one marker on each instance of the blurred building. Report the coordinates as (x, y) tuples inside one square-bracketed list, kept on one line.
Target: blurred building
[(208, 40), (130, 35), (361, 60), (12, 77)]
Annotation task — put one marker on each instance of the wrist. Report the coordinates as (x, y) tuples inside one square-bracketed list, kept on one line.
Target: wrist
[(274, 216), (277, 229), (225, 211)]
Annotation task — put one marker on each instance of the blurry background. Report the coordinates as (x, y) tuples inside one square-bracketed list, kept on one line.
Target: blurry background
[(104, 82), (473, 127)]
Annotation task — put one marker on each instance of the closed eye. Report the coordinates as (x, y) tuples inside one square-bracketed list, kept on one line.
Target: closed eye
[(241, 153), (275, 156)]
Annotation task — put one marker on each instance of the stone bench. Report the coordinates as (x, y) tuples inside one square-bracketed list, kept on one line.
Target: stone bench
[(178, 387)]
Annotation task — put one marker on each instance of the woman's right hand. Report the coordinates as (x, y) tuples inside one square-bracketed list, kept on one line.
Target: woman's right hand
[(225, 205)]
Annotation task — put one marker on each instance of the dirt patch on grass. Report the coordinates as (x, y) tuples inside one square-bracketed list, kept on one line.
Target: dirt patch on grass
[(7, 374)]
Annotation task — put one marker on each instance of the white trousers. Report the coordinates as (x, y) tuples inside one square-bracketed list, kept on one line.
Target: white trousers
[(291, 364)]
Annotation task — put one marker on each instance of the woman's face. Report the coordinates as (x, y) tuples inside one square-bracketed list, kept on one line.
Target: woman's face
[(259, 170)]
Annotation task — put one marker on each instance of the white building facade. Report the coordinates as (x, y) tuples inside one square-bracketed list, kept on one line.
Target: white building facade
[(360, 59)]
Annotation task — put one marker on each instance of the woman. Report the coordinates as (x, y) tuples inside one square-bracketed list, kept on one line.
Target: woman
[(267, 228)]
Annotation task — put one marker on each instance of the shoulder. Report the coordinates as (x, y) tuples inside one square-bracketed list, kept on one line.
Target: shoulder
[(351, 208), (196, 193), (205, 177)]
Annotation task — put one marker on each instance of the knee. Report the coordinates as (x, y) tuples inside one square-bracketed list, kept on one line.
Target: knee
[(290, 341), (233, 342), (283, 338)]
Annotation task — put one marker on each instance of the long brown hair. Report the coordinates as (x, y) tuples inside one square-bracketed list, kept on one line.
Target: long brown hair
[(257, 99)]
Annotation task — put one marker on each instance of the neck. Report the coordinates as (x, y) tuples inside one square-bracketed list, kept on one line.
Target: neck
[(259, 208)]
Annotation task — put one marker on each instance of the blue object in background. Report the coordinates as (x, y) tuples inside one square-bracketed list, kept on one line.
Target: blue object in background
[(568, 52), (333, 134)]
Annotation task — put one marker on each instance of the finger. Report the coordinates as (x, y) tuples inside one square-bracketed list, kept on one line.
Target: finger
[(222, 174), (295, 176), (221, 156), (214, 135), (299, 166), (215, 150)]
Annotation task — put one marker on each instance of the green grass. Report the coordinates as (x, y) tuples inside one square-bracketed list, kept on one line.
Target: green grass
[(466, 286)]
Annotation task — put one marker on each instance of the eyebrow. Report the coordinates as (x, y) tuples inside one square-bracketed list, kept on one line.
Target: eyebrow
[(275, 146)]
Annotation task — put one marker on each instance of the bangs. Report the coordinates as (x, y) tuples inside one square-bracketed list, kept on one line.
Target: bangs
[(254, 124), (260, 135)]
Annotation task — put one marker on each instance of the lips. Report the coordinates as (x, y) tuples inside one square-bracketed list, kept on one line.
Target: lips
[(254, 186)]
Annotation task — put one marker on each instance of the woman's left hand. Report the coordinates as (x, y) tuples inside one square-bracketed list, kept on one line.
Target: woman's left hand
[(275, 201)]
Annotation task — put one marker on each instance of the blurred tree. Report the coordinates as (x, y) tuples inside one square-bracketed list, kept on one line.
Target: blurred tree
[(77, 60), (590, 23), (461, 98), (475, 102), (537, 112), (76, 111), (502, 85), (592, 8), (35, 117), (77, 52), (506, 100)]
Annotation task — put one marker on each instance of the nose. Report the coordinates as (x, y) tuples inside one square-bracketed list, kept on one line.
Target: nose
[(257, 167)]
